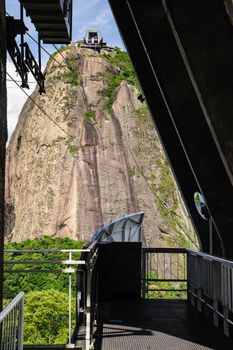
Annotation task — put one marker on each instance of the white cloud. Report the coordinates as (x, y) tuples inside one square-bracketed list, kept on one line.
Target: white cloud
[(80, 7), (103, 19)]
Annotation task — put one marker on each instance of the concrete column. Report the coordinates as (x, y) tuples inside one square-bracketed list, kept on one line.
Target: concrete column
[(3, 133)]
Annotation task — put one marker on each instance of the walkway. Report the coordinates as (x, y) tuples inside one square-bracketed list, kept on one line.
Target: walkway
[(159, 324)]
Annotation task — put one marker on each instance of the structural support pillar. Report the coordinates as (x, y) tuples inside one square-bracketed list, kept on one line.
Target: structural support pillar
[(3, 134)]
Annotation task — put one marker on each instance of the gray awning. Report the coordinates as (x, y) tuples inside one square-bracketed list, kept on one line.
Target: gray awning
[(125, 229)]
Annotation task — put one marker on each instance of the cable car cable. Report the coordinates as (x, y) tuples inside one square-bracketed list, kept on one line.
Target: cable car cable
[(42, 110), (46, 51), (70, 68)]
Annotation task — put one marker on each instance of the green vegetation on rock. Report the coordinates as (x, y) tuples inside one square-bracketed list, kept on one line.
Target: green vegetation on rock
[(162, 185), (142, 113), (72, 147), (70, 143), (61, 49), (90, 116), (71, 77), (55, 142), (120, 60), (69, 102)]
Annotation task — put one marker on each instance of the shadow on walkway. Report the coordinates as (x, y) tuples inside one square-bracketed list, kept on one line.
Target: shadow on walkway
[(156, 324)]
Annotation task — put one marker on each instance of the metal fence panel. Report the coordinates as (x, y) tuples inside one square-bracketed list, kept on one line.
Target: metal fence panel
[(11, 324)]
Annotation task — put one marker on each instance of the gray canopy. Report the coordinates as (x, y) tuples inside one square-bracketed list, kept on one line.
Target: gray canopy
[(125, 229)]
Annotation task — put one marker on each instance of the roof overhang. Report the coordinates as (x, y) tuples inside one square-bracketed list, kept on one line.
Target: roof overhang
[(182, 52)]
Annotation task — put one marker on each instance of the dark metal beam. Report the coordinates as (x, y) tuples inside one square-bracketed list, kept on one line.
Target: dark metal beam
[(161, 113), (51, 16), (3, 135), (180, 115)]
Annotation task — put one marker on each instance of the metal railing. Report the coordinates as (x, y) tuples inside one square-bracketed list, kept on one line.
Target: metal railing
[(208, 280), (11, 324), (87, 287), (164, 273), (68, 266), (211, 286)]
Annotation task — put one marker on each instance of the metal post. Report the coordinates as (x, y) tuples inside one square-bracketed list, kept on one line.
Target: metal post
[(70, 300), (88, 309), (39, 51), (226, 328), (211, 235), (216, 283), (21, 325), (21, 36), (71, 18), (143, 275)]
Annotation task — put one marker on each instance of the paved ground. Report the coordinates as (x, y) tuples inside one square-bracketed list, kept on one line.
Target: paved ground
[(162, 325)]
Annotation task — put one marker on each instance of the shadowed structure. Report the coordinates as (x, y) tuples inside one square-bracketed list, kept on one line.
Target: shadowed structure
[(157, 324), (3, 133), (183, 55)]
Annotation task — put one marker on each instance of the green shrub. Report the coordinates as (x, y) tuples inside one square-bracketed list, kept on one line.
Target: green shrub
[(90, 115), (46, 317), (119, 59), (71, 77), (72, 147)]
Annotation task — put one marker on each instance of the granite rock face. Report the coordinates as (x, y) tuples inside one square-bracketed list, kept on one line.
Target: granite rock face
[(82, 164)]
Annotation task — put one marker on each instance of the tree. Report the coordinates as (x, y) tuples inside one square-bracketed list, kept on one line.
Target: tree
[(46, 317), (17, 282)]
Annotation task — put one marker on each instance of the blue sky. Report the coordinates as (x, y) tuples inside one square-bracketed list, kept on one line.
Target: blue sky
[(94, 14)]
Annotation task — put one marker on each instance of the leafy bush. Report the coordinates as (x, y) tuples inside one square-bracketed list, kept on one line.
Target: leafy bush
[(119, 59), (71, 77), (46, 300), (46, 317), (156, 293), (90, 116)]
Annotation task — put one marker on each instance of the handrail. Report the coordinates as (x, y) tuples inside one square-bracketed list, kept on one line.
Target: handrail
[(210, 257), (86, 297), (11, 324), (45, 262), (210, 285), (67, 266), (158, 266), (47, 251), (164, 250), (11, 306), (86, 263)]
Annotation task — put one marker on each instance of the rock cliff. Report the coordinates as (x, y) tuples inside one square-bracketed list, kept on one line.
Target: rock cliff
[(87, 152)]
